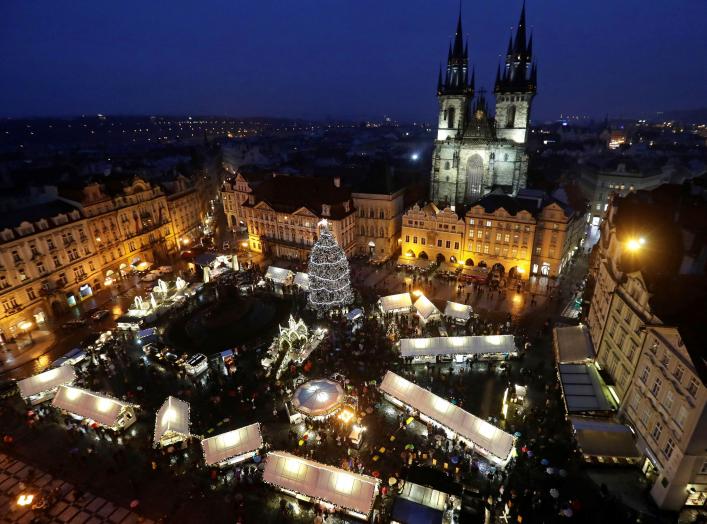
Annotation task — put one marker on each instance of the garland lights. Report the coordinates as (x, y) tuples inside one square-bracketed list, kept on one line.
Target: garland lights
[(329, 282)]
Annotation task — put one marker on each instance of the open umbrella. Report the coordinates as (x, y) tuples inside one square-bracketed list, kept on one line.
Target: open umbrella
[(554, 493), (544, 462), (454, 459), (392, 481), (517, 434), (409, 446)]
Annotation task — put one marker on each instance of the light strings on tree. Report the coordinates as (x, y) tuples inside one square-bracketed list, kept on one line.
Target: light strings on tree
[(329, 281)]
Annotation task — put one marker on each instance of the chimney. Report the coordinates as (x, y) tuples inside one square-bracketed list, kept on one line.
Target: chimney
[(337, 181)]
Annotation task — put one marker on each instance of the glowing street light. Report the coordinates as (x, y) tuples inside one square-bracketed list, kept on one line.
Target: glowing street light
[(634, 244), (26, 326)]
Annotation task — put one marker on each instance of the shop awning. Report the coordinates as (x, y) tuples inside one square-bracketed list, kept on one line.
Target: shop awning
[(466, 345), (225, 446), (394, 303), (572, 345), (279, 275), (603, 438), (302, 280), (87, 404), (46, 381), (343, 489), (583, 389), (425, 308), (458, 311), (172, 419), (488, 440)]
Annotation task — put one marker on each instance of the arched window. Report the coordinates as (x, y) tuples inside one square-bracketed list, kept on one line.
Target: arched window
[(510, 116), (450, 118)]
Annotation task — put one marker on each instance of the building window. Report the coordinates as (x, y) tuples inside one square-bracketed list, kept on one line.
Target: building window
[(414, 240), (668, 400), (486, 249), (645, 417), (703, 469), (657, 430), (488, 223), (479, 234), (498, 237), (448, 244), (679, 372), (30, 294), (668, 449), (655, 390), (644, 374), (471, 221), (635, 401), (423, 240), (407, 238), (692, 387), (681, 417), (456, 245)]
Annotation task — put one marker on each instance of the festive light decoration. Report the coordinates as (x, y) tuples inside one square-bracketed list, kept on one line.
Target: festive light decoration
[(329, 282)]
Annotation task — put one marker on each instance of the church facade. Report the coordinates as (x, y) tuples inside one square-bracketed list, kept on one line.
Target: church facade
[(475, 152)]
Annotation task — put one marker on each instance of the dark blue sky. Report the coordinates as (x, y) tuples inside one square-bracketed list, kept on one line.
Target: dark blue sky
[(339, 58)]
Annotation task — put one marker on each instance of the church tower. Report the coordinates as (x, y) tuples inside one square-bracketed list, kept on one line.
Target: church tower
[(515, 87), (454, 90)]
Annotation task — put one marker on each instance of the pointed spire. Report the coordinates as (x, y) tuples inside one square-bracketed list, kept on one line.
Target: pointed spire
[(466, 49), (529, 52), (520, 44), (458, 51), (449, 53), (509, 52), (473, 79)]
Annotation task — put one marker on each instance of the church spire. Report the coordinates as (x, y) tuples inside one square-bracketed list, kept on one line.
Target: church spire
[(520, 43), (517, 75), (458, 51), (456, 79)]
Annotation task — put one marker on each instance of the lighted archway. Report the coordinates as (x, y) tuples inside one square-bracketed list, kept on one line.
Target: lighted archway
[(469, 262)]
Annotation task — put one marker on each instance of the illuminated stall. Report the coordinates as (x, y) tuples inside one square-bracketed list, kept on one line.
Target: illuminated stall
[(334, 488), (103, 410), (319, 399), (42, 387), (426, 310), (459, 313), (232, 447), (400, 303), (172, 423), (280, 276), (302, 281), (489, 441), (488, 347)]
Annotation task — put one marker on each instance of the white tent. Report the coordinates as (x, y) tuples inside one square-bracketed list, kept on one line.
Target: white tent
[(343, 489), (457, 311), (426, 309), (302, 280), (484, 346), (396, 303), (232, 446), (279, 275), (491, 442), (172, 422), (102, 409), (40, 386)]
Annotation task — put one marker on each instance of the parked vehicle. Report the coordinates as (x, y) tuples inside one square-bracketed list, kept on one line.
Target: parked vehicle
[(100, 315), (196, 364), (73, 324)]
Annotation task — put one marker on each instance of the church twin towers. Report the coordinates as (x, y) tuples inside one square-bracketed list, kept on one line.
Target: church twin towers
[(474, 152)]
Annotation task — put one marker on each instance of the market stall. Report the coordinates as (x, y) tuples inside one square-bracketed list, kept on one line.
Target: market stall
[(279, 276), (426, 310), (400, 303), (232, 447), (335, 488), (491, 442), (42, 387), (103, 410), (172, 422), (456, 312), (489, 347), (318, 399), (302, 281)]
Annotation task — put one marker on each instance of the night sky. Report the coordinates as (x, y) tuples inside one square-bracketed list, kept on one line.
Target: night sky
[(339, 58)]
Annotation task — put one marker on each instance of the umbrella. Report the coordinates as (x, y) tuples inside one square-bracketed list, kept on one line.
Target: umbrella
[(544, 462), (392, 481), (517, 434), (454, 459), (567, 512), (376, 474), (554, 493), (257, 459), (409, 446), (530, 453), (551, 471), (562, 473)]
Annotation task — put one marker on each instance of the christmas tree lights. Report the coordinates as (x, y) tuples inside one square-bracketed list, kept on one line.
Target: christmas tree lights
[(329, 282)]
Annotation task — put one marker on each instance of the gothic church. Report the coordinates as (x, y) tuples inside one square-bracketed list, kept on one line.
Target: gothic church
[(474, 152)]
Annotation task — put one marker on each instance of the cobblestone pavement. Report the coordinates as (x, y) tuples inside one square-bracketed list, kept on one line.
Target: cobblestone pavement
[(70, 505)]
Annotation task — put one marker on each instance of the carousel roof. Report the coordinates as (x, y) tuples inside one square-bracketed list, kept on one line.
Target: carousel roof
[(50, 379), (317, 398)]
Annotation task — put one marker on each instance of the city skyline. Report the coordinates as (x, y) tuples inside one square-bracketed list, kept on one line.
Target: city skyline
[(313, 60)]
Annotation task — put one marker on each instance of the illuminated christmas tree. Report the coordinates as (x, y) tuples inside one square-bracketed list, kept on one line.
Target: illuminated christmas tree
[(329, 282)]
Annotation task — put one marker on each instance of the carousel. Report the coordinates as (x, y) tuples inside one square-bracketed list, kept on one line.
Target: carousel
[(319, 399)]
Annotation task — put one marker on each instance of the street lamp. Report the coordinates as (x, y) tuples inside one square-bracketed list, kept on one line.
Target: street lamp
[(634, 244), (26, 326)]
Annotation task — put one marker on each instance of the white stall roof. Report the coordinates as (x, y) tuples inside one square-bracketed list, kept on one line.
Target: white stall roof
[(396, 302), (425, 308), (278, 274), (334, 485), (50, 379), (232, 443), (302, 280), (583, 389), (87, 404), (605, 438), (572, 344), (466, 345), (172, 417), (457, 310), (489, 440)]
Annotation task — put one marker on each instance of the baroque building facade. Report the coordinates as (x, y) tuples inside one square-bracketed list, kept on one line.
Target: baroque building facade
[(475, 152), (645, 316)]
